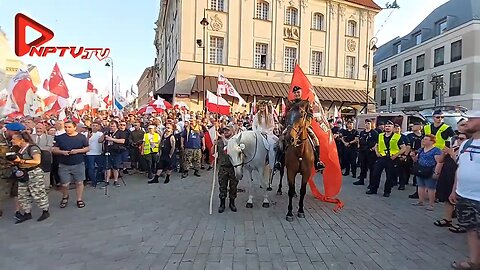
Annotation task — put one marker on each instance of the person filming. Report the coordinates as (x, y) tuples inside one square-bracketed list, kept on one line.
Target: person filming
[(114, 145)]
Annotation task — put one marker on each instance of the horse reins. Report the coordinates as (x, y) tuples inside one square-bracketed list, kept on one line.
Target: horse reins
[(254, 153)]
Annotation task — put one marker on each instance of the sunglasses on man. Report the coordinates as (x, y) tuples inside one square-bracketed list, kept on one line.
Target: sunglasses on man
[(439, 117)]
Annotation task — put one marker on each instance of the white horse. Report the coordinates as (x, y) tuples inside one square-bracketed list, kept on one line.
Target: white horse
[(247, 151)]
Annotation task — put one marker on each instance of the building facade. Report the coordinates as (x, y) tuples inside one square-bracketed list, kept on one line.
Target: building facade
[(256, 44), (435, 64), (145, 87)]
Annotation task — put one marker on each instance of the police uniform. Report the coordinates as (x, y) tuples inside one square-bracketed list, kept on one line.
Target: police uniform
[(387, 146), (350, 154), (366, 153), (442, 133), (226, 177)]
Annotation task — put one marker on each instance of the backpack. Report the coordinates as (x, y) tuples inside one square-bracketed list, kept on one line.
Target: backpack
[(467, 145), (46, 159)]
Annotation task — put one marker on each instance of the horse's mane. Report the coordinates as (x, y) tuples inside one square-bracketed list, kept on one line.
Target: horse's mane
[(300, 104)]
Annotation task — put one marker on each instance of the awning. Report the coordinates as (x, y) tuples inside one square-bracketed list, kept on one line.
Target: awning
[(276, 89), (167, 89)]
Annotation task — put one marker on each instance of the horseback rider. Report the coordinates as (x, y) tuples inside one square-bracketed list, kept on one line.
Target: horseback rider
[(297, 92), (263, 122)]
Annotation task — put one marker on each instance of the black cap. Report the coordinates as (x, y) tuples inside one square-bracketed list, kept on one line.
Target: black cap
[(389, 122), (416, 123), (368, 120), (296, 88), (437, 112), (380, 123), (396, 125)]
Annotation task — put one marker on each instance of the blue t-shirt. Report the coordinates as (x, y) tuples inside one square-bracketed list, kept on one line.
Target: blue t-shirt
[(192, 140), (427, 159), (67, 143)]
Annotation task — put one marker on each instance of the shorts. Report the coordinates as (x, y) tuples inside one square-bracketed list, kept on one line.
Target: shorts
[(165, 164), (114, 161), (468, 213), (429, 183), (71, 173)]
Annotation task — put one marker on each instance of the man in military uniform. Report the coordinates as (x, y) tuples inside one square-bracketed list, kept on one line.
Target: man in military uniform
[(366, 155), (389, 147), (297, 92), (226, 173)]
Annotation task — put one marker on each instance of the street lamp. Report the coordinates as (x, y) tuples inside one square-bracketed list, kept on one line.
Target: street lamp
[(372, 47), (438, 89), (201, 44), (109, 63)]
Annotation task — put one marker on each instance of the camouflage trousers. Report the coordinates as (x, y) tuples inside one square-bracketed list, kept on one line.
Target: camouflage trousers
[(192, 158), (33, 189), (227, 180), (468, 214)]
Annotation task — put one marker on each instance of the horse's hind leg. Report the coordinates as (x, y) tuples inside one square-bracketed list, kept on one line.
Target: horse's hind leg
[(266, 175), (291, 191), (250, 196), (282, 172), (303, 190)]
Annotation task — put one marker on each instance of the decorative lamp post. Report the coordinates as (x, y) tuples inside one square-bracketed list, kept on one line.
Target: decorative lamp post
[(202, 44), (109, 63), (372, 47)]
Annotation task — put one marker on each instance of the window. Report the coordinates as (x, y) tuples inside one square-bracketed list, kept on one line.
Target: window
[(406, 93), (350, 67), (384, 75), (261, 50), (393, 72), (438, 57), (407, 67), (456, 51), (217, 5), (216, 50), (419, 90), (383, 97), (399, 48), (455, 83), (316, 68), (418, 38), (352, 28), (317, 22), (262, 10), (441, 27), (393, 94), (420, 63), (291, 16), (290, 59), (437, 85)]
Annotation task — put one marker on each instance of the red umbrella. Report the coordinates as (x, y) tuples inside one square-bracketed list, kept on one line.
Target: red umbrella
[(161, 103), (149, 109)]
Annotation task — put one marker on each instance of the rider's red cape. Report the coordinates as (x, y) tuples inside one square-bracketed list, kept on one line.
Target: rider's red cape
[(332, 175)]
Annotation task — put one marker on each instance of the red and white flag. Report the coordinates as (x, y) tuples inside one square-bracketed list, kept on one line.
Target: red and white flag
[(91, 88), (254, 107), (22, 98), (216, 104), (56, 84), (284, 108), (224, 86), (210, 138)]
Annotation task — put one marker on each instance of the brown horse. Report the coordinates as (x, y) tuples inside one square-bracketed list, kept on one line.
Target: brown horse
[(299, 156)]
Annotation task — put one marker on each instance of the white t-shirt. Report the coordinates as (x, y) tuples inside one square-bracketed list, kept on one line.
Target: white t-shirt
[(95, 148), (468, 182)]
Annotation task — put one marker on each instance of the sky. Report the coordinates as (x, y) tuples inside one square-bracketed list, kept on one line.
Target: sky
[(127, 28)]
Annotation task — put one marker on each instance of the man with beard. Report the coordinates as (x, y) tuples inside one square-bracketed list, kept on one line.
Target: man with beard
[(226, 173)]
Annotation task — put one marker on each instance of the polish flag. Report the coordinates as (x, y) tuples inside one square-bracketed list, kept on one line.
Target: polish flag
[(91, 88), (161, 103), (21, 95), (254, 107), (210, 138), (107, 100), (284, 108), (216, 104), (332, 175), (225, 87), (57, 84)]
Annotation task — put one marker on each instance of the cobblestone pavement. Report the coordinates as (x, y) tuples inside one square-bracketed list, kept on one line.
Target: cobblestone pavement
[(162, 226)]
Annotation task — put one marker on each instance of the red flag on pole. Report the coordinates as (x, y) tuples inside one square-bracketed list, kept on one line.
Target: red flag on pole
[(332, 175), (91, 88), (57, 84)]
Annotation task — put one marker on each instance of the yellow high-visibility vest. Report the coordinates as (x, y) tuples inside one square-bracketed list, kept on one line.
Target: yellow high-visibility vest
[(382, 147), (440, 142), (146, 143)]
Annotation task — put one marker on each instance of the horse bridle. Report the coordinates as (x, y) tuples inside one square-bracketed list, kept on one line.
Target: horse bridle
[(243, 154), (303, 118)]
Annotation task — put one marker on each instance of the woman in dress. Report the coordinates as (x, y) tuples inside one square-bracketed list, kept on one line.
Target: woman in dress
[(264, 123)]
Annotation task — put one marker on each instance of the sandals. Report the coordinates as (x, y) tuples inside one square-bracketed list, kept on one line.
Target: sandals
[(418, 204), (457, 229), (80, 204), (465, 266), (64, 202), (443, 223)]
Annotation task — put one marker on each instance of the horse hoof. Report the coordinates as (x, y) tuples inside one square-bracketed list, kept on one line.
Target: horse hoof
[(301, 215), (269, 189), (249, 205), (266, 205), (279, 192), (289, 218)]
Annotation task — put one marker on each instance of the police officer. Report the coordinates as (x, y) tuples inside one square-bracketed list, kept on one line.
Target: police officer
[(388, 148), (226, 173), (350, 141), (336, 128), (414, 143), (442, 131), (380, 127), (366, 155)]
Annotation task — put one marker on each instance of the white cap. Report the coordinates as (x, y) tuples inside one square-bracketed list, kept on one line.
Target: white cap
[(472, 114)]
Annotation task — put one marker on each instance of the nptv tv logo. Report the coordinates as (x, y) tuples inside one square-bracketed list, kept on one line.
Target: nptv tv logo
[(35, 47)]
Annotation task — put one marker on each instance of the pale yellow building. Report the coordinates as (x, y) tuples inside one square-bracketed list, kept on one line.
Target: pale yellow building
[(256, 43), (145, 87)]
